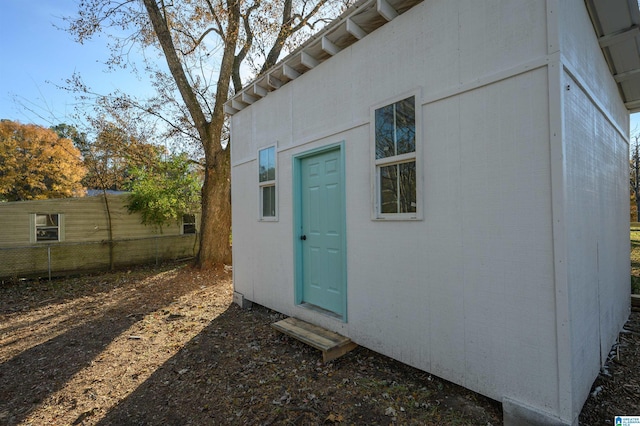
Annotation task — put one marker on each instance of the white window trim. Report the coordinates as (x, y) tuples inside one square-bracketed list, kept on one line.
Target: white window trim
[(376, 215), (33, 239), (264, 184)]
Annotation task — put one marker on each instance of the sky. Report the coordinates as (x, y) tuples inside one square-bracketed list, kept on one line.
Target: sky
[(36, 56)]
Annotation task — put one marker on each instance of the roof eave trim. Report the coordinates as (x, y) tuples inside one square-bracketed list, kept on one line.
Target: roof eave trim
[(318, 48)]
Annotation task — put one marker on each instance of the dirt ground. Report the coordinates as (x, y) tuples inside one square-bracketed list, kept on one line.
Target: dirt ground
[(166, 346)]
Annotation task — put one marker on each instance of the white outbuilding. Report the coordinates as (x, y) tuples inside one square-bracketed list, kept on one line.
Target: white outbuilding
[(446, 182)]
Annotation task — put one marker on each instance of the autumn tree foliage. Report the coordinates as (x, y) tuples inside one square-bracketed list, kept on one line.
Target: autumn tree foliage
[(35, 163), (204, 44), (110, 157)]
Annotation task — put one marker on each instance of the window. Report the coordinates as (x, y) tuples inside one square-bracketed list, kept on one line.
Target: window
[(267, 182), (395, 160), (188, 223), (47, 227)]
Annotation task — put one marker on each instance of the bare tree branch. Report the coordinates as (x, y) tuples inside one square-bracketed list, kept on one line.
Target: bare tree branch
[(242, 54)]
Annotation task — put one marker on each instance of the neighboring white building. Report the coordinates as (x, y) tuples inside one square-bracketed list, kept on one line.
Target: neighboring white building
[(449, 187), (71, 235)]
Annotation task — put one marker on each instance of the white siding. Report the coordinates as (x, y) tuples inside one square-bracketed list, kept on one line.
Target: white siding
[(84, 225), (85, 220), (597, 229), (595, 135), (580, 52)]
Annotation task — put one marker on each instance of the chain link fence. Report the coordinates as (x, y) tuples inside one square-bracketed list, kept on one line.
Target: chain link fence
[(48, 260)]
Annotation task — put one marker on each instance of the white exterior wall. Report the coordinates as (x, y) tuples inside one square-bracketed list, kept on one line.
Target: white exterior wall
[(596, 207), (469, 293)]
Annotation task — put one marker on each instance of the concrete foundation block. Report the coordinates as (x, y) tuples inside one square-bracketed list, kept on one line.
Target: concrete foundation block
[(239, 299)]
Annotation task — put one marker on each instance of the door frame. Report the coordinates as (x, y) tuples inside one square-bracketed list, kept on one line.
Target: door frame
[(297, 223)]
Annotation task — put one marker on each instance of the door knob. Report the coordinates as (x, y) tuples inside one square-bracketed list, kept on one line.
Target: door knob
[(303, 238)]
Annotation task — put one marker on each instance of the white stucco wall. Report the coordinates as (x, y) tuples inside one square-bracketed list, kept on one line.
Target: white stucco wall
[(469, 293)]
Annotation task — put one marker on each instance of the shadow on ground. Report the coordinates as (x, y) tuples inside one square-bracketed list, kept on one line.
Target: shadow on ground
[(36, 373), (239, 370)]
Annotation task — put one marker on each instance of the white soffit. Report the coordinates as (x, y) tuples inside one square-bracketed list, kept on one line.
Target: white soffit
[(616, 23), (354, 24)]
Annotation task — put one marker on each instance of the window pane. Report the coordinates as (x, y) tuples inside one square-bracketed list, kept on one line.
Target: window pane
[(47, 219), (269, 201), (263, 164), (407, 187), (41, 220), (406, 125), (398, 188), (271, 170), (395, 128), (47, 227), (47, 234), (389, 189), (267, 164), (385, 141), (52, 220), (188, 224)]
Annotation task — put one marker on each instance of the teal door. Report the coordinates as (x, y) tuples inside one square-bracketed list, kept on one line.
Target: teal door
[(321, 227)]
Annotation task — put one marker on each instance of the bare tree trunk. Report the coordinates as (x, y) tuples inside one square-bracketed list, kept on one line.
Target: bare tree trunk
[(216, 204), (215, 245), (224, 18), (216, 213), (109, 230)]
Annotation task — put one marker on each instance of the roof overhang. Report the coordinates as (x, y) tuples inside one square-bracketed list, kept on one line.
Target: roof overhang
[(354, 24), (616, 23)]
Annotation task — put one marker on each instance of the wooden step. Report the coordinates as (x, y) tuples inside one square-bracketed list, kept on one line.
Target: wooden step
[(332, 345)]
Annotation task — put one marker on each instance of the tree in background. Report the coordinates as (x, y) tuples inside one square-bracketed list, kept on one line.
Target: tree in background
[(110, 155), (189, 34), (35, 163), (70, 132), (164, 192)]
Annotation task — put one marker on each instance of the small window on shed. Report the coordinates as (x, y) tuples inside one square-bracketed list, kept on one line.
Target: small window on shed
[(188, 224), (267, 183), (47, 227), (395, 162)]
